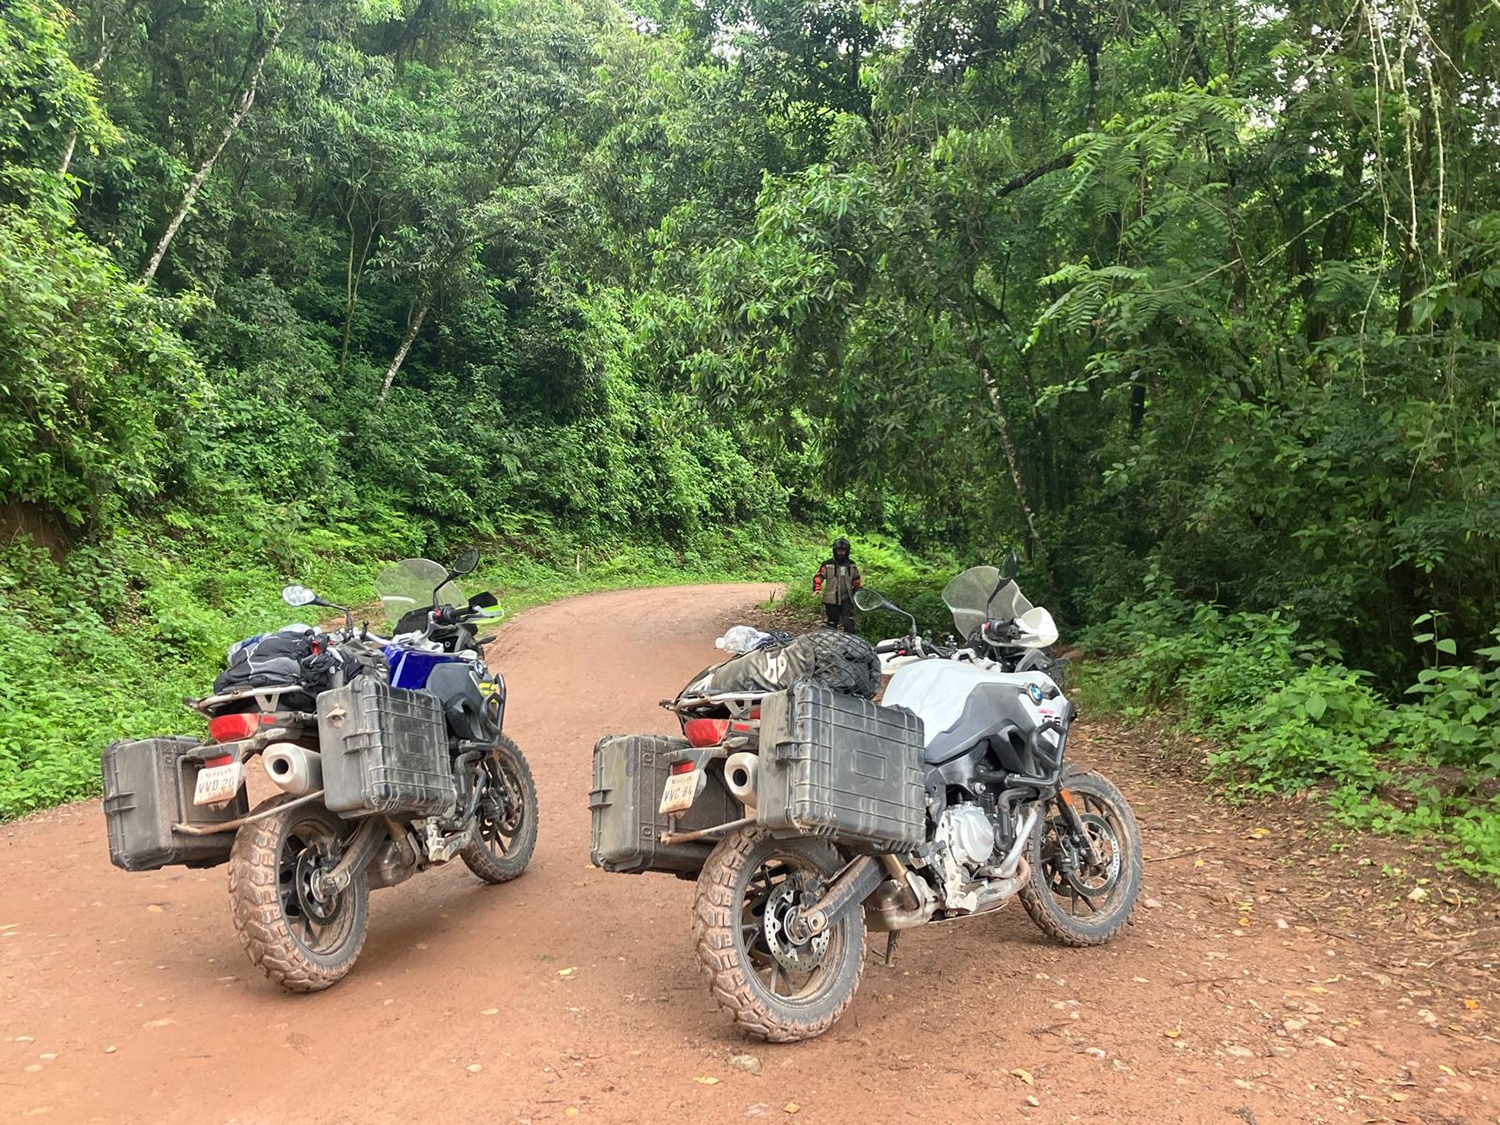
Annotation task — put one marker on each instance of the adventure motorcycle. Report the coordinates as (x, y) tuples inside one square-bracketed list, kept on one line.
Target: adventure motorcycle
[(389, 754), (828, 815)]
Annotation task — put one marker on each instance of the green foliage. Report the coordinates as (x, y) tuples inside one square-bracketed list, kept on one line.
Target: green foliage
[(98, 387), (1454, 717), (1323, 722), (45, 100), (1285, 716), (465, 189), (1137, 296)]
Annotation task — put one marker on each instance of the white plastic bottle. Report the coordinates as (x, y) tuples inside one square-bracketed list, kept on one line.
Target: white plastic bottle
[(742, 638)]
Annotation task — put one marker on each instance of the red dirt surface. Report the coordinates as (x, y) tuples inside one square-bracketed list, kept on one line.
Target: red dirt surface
[(1265, 979)]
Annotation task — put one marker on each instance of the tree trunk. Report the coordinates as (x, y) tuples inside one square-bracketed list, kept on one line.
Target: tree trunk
[(67, 159), (1010, 457), (106, 44), (241, 108), (411, 335), (355, 275)]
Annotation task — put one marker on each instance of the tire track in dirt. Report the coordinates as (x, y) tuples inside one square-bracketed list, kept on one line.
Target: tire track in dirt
[(575, 995)]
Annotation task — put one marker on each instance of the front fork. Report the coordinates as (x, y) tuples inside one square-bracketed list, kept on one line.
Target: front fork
[(1068, 810)]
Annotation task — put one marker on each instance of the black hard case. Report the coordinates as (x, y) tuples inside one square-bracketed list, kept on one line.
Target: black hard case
[(148, 787)]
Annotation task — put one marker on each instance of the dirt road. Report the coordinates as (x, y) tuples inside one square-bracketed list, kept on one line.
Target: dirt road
[(1251, 989)]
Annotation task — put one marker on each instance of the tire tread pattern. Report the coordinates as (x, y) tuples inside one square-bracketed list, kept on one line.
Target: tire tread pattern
[(715, 916), (254, 893)]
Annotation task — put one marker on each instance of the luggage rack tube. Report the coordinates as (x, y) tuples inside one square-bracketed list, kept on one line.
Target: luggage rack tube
[(706, 833), (730, 699), (233, 825), (262, 696)]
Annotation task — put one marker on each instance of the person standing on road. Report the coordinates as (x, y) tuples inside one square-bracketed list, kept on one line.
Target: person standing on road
[(836, 580)]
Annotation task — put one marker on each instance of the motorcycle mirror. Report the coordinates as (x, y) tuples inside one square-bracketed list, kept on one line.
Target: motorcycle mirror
[(466, 561), (299, 596), (871, 599), (1010, 566)]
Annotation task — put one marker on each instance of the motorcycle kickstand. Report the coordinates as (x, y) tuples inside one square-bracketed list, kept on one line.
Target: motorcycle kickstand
[(890, 948)]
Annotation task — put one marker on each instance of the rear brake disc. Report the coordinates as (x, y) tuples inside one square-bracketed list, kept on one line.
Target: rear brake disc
[(800, 957)]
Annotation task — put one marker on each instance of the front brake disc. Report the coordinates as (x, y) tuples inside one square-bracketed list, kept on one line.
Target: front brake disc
[(1100, 835)]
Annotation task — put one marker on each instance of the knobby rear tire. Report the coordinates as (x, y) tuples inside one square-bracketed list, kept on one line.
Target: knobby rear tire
[(258, 896), (718, 913)]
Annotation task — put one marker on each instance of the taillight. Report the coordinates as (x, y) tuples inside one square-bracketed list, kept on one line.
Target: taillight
[(705, 732), (232, 728)]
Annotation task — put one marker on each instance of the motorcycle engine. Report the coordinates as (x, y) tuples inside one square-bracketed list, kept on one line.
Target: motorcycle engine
[(968, 833)]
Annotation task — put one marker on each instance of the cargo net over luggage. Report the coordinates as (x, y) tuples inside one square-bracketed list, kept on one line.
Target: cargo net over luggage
[(842, 663)]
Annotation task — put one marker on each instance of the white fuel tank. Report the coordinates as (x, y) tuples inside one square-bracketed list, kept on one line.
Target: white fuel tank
[(938, 690)]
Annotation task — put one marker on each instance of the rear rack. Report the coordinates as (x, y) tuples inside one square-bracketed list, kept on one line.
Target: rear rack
[(739, 704), (265, 697)]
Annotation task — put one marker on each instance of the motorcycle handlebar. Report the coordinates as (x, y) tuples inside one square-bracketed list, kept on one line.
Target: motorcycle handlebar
[(462, 615), (914, 646)]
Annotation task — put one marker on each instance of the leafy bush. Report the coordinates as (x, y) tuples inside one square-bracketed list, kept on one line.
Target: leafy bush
[(1322, 722), (97, 384), (1454, 717), (1286, 715)]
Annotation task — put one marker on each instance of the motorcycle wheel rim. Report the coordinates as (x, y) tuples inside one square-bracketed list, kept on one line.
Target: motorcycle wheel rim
[(319, 923), (783, 884), (1080, 889)]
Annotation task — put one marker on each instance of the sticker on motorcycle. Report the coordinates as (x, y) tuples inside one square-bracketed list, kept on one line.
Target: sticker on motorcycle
[(218, 783)]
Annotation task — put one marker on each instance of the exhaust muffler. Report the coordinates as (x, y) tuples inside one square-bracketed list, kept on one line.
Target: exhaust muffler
[(294, 769), (741, 773)]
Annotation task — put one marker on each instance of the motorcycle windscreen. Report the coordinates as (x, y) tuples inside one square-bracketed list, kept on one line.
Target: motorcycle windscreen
[(409, 584), (967, 597)]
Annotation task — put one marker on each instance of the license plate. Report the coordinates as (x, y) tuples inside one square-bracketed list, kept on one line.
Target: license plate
[(218, 783), (681, 789)]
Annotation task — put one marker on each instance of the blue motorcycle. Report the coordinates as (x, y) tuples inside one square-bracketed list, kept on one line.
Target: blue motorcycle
[(389, 754)]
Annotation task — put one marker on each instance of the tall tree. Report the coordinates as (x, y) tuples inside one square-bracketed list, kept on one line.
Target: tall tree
[(270, 26)]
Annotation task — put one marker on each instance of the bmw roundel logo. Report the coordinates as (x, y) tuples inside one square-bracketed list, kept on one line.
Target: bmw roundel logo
[(1035, 691)]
